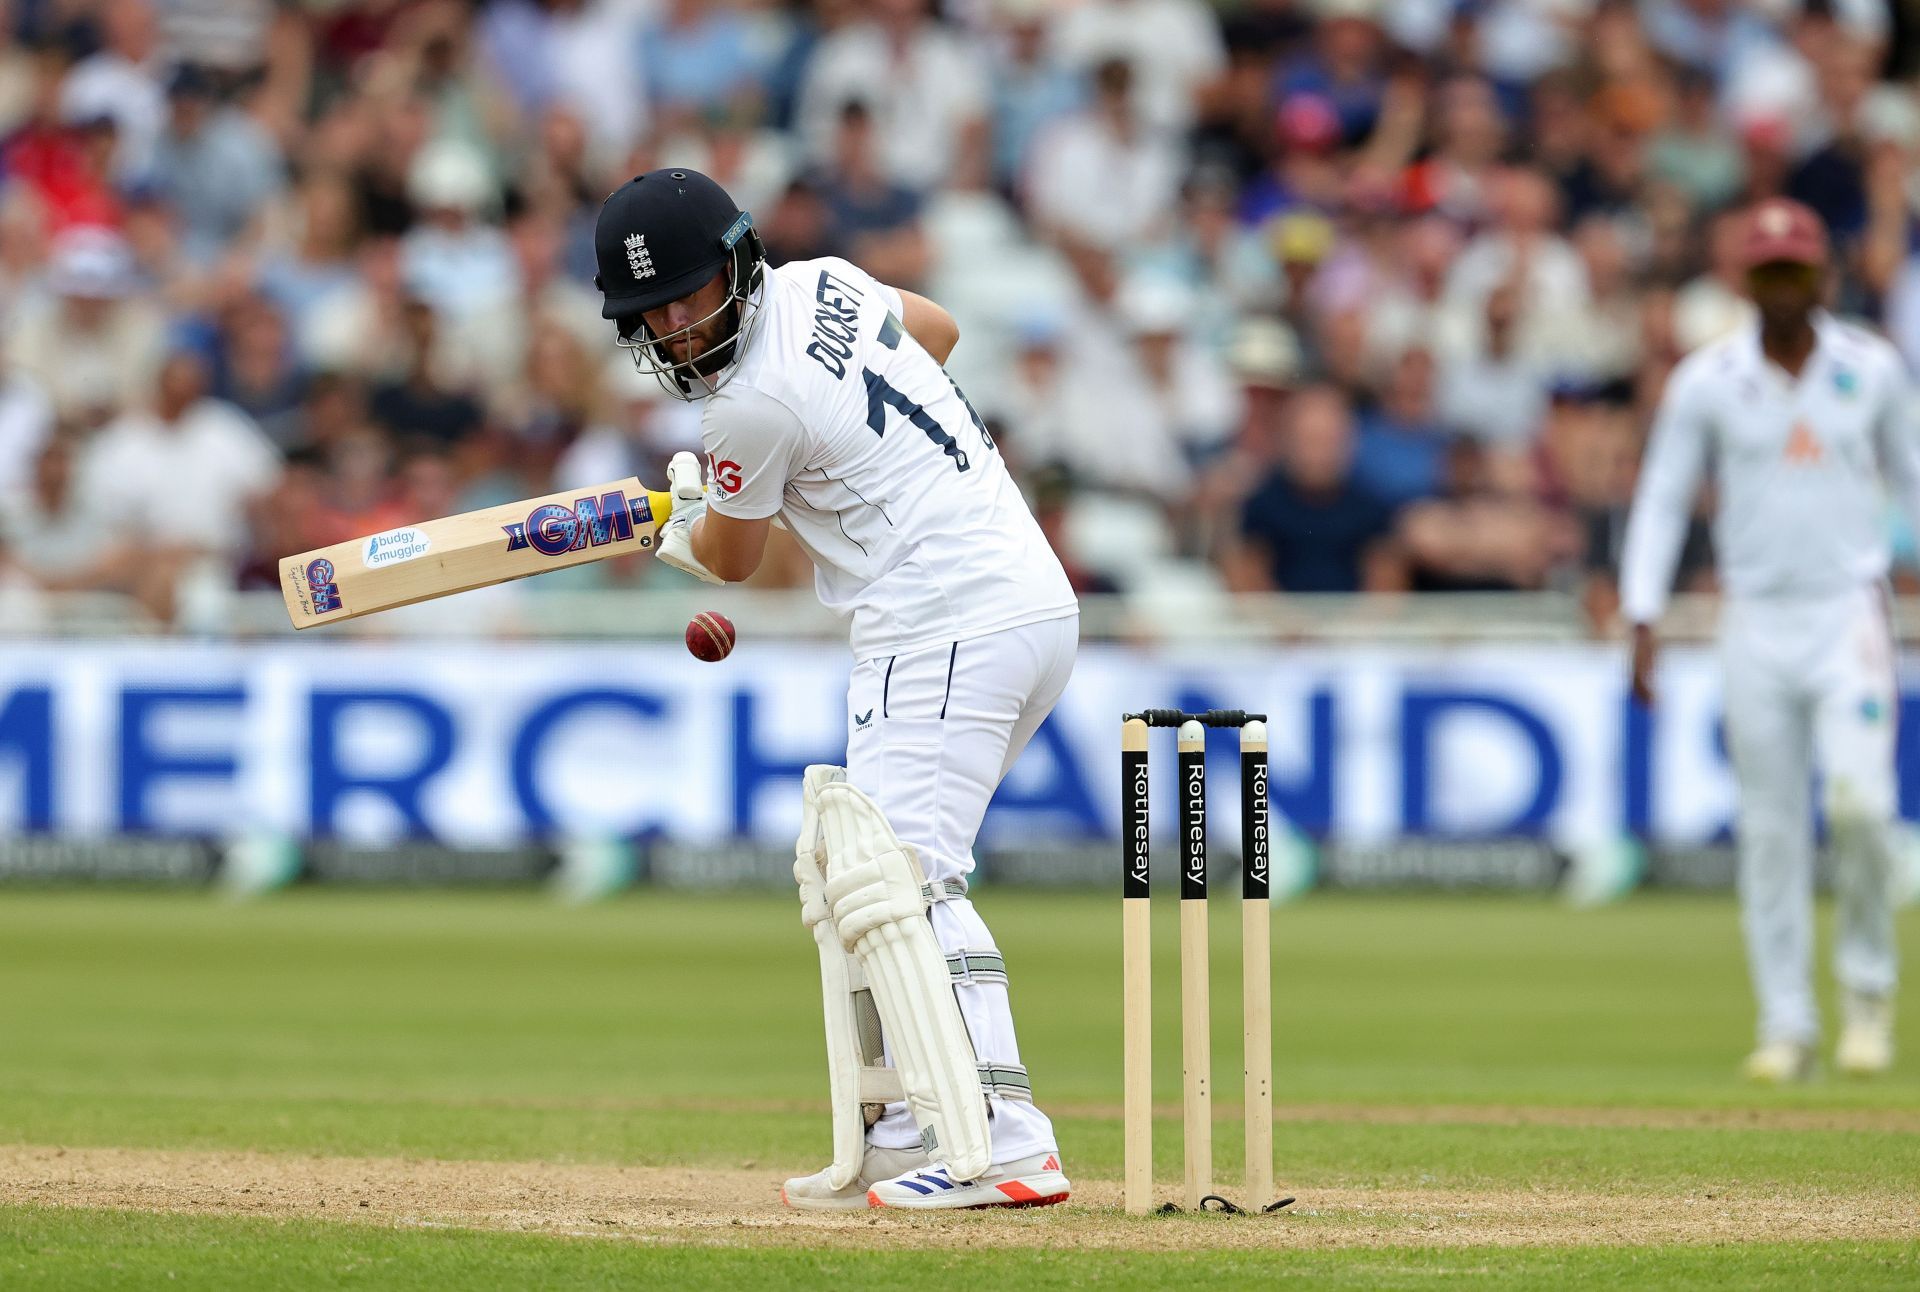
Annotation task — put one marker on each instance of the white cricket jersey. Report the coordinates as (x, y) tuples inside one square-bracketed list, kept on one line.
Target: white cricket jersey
[(1802, 466), (837, 420)]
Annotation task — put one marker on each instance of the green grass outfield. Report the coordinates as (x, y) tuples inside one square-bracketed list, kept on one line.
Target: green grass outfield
[(1480, 1047)]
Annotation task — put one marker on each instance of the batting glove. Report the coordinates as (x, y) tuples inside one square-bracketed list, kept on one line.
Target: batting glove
[(689, 504)]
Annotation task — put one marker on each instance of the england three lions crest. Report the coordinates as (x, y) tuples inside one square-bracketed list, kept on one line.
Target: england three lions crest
[(639, 259)]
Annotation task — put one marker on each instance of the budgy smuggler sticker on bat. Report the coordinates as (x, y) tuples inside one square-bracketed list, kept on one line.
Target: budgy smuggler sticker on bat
[(554, 529), (393, 547)]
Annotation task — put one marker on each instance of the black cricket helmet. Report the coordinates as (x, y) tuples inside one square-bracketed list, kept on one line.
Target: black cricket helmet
[(661, 236)]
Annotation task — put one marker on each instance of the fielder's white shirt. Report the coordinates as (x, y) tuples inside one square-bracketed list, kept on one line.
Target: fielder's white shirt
[(838, 421), (1801, 465)]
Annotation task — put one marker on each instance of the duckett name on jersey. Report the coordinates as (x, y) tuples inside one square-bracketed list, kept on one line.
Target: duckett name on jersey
[(835, 324)]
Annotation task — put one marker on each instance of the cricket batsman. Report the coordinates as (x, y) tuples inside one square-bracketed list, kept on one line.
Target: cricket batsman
[(1805, 418), (826, 407)]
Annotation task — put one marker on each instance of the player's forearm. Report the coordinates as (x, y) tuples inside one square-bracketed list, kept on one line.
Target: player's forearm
[(1670, 475), (1655, 531), (732, 549)]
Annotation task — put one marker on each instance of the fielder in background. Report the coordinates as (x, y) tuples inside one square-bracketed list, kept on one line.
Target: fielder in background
[(826, 406), (1804, 418)]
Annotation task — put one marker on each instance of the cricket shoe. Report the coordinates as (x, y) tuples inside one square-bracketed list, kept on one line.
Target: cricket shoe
[(813, 1193), (1779, 1063), (1024, 1182), (1866, 1039)]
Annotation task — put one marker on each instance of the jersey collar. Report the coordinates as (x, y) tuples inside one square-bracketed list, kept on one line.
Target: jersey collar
[(1826, 331)]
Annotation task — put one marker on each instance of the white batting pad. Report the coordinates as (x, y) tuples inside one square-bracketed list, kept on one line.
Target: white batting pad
[(855, 1076), (877, 893)]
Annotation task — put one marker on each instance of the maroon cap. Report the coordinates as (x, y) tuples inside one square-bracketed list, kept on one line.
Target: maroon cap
[(1782, 229)]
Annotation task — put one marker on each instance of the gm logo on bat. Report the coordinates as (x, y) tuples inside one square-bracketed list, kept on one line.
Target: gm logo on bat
[(321, 587), (554, 529)]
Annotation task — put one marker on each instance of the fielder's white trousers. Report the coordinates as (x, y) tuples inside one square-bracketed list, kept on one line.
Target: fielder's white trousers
[(1810, 684), (929, 737)]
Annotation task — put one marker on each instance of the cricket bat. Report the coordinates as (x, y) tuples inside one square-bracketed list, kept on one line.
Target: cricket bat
[(438, 558)]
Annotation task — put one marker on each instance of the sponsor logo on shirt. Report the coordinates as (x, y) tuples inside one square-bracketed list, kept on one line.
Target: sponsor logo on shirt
[(725, 475), (1803, 446)]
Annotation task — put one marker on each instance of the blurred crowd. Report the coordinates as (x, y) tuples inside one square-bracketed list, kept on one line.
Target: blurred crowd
[(1308, 295)]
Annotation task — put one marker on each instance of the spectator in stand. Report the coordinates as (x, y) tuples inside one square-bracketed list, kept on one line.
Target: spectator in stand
[(582, 55), (1401, 450), (1052, 503), (292, 516), (1033, 407), (385, 137), (1346, 66), (310, 268), (1766, 158), (26, 422), (211, 457), (556, 399), (91, 339), (1831, 178), (1032, 88), (1301, 242), (1311, 525), (359, 494), (256, 369), (924, 82), (873, 222), (1491, 531), (699, 58), (64, 154), (1173, 47), (1407, 307), (64, 538), (365, 329), (1490, 392), (1714, 303), (215, 167), (124, 81), (1602, 342), (1472, 136), (495, 340), (752, 163), (1188, 384), (18, 75), (1692, 152), (334, 404), (1523, 250), (1100, 177), (420, 403), (1264, 359), (1306, 173), (1231, 267), (799, 224), (455, 259)]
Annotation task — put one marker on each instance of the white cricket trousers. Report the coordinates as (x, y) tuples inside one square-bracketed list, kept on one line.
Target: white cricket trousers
[(929, 737), (1810, 683)]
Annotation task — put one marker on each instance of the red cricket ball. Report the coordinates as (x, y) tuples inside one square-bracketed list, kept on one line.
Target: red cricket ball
[(710, 637)]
